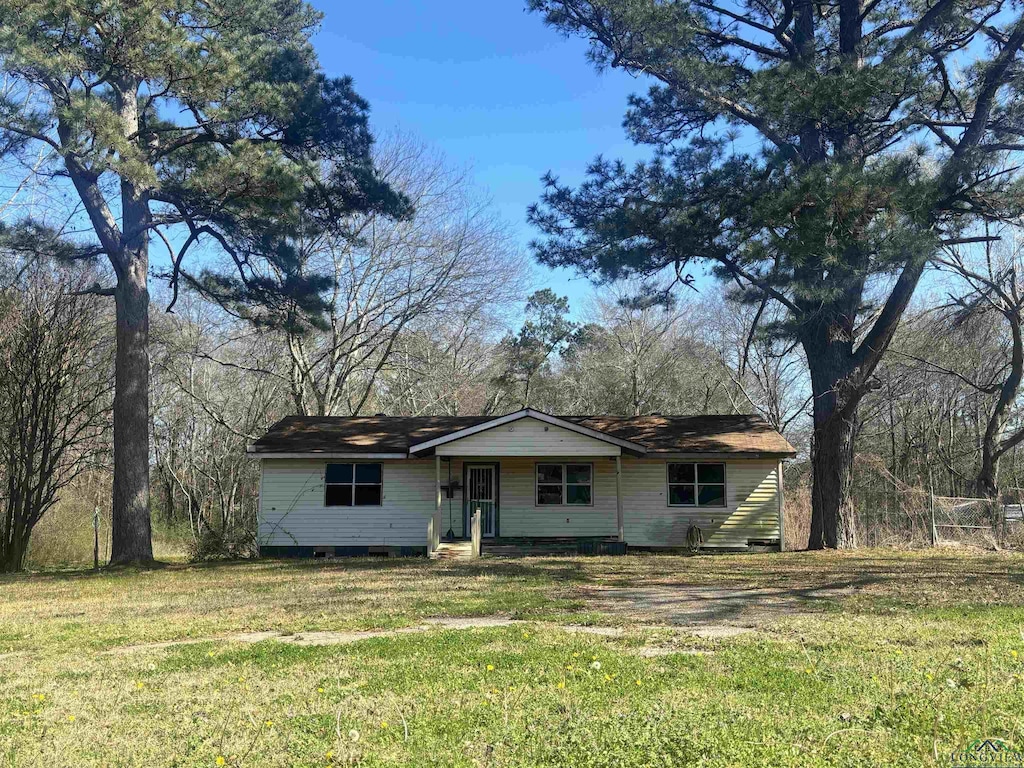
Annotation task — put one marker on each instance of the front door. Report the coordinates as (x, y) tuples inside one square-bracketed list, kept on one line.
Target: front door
[(481, 493)]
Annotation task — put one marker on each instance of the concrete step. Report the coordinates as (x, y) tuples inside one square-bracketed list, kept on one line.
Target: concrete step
[(453, 550)]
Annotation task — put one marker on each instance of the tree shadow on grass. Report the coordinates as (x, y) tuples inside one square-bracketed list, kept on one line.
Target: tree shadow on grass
[(554, 569)]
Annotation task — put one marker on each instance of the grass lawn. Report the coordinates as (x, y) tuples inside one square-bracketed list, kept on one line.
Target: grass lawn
[(875, 658)]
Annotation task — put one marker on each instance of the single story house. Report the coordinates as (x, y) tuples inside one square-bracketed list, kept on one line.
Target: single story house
[(356, 485)]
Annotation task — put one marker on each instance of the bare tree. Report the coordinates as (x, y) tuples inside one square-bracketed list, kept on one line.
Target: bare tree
[(56, 387), (635, 358), (443, 367), (451, 258), (768, 373), (993, 282), (212, 396), (640, 344)]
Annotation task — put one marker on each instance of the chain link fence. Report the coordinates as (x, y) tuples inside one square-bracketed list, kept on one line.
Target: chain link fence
[(894, 513), (978, 522)]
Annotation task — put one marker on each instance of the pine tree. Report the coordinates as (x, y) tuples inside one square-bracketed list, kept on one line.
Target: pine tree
[(817, 155), (203, 127)]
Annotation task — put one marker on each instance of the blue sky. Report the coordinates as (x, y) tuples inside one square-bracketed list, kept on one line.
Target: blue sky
[(489, 85)]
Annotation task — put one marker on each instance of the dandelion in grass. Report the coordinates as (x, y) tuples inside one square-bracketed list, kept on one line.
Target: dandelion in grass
[(1014, 654), (595, 665), (71, 718), (526, 635), (561, 684), (490, 667), (220, 760), (384, 725), (353, 735), (269, 723), (319, 690), (140, 685), (809, 671)]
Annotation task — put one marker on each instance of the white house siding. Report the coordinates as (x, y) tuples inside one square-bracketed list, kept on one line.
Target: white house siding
[(752, 511), (528, 437), (292, 511)]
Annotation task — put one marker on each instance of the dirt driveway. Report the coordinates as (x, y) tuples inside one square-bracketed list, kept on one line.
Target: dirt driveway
[(703, 606)]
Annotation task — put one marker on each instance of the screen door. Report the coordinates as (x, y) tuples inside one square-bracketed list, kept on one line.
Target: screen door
[(482, 495)]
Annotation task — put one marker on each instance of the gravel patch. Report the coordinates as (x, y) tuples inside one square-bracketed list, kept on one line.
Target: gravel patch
[(710, 609)]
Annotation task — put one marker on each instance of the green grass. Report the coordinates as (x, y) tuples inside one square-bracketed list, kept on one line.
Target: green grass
[(920, 654)]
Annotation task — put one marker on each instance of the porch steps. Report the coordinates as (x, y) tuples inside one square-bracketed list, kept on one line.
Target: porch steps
[(453, 550)]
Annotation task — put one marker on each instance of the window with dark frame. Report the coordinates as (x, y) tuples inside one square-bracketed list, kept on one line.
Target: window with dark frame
[(696, 485), (565, 485), (353, 485)]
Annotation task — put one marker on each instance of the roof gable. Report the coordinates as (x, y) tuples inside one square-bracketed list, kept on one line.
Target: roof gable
[(543, 430)]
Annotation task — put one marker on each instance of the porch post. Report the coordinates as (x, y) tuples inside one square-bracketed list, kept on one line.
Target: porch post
[(475, 535), (619, 521), (782, 510), (437, 499)]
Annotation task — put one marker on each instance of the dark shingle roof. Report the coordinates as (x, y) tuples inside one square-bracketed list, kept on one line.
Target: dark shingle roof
[(693, 434), (727, 434)]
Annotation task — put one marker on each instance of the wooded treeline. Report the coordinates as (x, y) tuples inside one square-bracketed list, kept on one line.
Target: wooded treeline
[(851, 186), (219, 383)]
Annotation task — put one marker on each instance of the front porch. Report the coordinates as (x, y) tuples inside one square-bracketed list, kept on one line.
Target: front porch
[(527, 478), (528, 504)]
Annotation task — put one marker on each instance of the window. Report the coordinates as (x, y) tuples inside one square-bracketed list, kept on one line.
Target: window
[(559, 484), (353, 485), (696, 485)]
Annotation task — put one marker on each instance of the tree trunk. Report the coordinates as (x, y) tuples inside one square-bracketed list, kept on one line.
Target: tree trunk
[(14, 548), (13, 559), (986, 483), (992, 447), (829, 351), (131, 530), (131, 534), (833, 521)]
